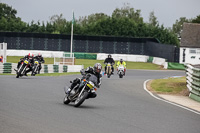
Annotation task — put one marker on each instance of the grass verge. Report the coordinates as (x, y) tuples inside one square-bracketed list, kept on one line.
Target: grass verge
[(87, 63), (90, 62), (170, 85)]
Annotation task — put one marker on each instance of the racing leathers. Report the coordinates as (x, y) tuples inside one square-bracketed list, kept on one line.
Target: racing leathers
[(41, 60), (31, 61), (84, 72), (111, 61)]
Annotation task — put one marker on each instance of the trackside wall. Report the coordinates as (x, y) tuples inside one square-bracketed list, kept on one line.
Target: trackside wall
[(193, 81)]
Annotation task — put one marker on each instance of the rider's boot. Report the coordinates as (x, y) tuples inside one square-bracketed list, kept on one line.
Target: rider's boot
[(92, 95)]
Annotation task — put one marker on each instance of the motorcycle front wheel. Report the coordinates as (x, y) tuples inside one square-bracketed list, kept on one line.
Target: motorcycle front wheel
[(66, 100), (120, 76), (81, 99), (20, 71)]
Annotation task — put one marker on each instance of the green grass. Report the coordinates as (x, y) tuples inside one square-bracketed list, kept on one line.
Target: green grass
[(130, 65), (90, 62), (142, 65), (169, 85), (15, 59)]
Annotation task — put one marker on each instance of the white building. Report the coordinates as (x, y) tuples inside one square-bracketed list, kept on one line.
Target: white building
[(190, 44)]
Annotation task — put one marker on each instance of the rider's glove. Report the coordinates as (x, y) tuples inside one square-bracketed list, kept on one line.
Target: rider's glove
[(82, 71)]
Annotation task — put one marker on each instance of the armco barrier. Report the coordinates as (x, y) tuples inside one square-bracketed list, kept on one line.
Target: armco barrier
[(193, 81), (50, 68)]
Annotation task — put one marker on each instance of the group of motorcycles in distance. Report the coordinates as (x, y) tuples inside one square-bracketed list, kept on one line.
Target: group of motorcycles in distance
[(120, 70), (25, 65)]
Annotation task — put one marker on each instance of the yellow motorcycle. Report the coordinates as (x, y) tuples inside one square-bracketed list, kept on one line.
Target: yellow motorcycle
[(35, 68), (108, 70)]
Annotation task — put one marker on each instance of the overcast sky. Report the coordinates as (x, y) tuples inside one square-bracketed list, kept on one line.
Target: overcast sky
[(166, 11)]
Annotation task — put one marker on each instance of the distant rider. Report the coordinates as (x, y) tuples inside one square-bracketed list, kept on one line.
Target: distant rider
[(41, 60), (29, 57), (121, 62), (96, 70), (111, 61), (1, 58)]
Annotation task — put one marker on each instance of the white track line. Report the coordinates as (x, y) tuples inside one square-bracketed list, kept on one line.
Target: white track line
[(145, 88)]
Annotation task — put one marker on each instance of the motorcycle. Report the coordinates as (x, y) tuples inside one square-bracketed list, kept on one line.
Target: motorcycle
[(109, 70), (22, 68), (35, 68), (81, 91), (120, 71)]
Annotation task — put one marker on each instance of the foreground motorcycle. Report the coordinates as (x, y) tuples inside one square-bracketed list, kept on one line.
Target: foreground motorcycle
[(120, 71), (35, 68), (81, 91), (108, 70), (22, 68)]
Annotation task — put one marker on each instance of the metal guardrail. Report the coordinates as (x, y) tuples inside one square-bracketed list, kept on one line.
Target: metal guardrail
[(193, 81)]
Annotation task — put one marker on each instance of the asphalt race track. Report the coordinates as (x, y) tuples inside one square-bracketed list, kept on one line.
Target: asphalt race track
[(35, 105)]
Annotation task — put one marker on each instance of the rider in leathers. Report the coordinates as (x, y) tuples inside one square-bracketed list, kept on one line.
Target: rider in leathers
[(111, 61), (96, 70), (29, 57), (121, 62), (41, 60)]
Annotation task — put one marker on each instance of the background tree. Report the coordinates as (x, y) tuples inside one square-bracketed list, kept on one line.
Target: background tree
[(9, 21), (59, 22), (7, 12), (196, 20), (178, 26), (83, 21), (124, 22), (128, 12), (153, 19)]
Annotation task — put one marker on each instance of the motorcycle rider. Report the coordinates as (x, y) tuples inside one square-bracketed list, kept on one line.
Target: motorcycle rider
[(121, 62), (41, 60), (111, 61), (29, 57), (96, 70)]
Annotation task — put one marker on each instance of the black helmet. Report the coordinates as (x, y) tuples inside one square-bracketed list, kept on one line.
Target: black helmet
[(39, 55), (109, 56), (97, 68), (121, 60)]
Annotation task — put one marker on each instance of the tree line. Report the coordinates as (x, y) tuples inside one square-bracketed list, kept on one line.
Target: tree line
[(124, 22)]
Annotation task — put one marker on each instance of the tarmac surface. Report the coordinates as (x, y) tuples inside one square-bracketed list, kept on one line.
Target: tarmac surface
[(35, 105)]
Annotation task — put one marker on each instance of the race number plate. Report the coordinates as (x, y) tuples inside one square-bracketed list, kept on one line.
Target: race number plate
[(90, 86), (26, 61)]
